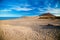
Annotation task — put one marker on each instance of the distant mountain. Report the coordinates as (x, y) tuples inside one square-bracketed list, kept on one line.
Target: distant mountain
[(47, 14)]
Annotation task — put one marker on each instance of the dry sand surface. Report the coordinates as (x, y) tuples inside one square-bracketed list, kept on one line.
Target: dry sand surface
[(29, 28)]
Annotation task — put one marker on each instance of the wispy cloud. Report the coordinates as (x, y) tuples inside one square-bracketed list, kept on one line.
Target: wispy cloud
[(57, 14), (41, 9), (5, 10), (53, 11), (21, 9), (10, 15), (8, 12), (16, 8)]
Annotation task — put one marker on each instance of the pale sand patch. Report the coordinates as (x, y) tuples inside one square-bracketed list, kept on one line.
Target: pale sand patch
[(18, 33)]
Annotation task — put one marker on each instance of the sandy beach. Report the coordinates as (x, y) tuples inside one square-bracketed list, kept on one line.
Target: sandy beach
[(30, 28)]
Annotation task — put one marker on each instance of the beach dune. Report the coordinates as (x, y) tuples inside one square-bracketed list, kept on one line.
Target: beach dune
[(29, 28)]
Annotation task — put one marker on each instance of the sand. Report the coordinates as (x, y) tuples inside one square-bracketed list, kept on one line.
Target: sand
[(29, 28)]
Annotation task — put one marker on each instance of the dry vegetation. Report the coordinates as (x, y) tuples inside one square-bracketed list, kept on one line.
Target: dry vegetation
[(29, 28)]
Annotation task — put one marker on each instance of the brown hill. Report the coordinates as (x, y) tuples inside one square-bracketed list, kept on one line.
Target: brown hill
[(47, 14)]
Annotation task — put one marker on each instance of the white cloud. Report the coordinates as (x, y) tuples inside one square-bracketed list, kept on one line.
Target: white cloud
[(21, 9), (5, 10), (16, 8), (40, 9), (10, 15), (53, 11), (57, 14)]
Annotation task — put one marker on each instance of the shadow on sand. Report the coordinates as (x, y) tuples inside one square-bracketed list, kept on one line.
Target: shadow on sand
[(49, 26)]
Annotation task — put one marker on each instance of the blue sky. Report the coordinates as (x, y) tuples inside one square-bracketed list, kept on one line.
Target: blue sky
[(18, 8)]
